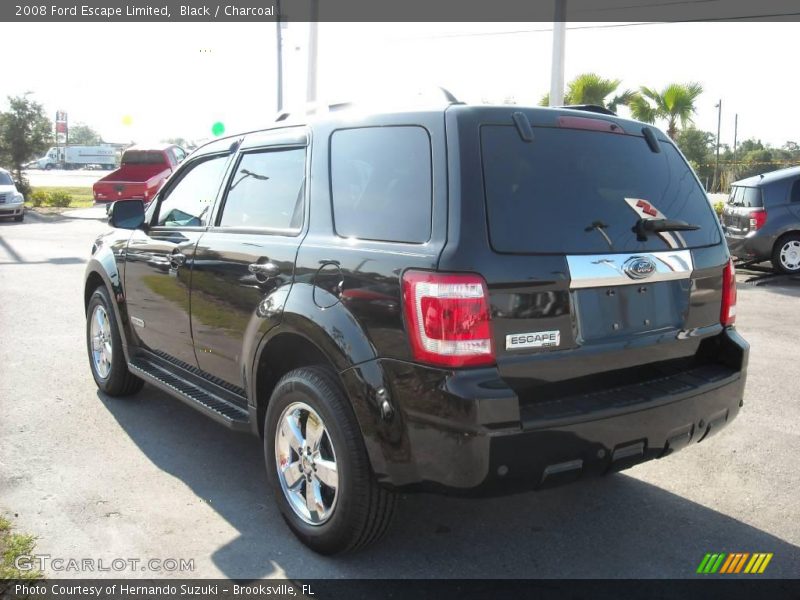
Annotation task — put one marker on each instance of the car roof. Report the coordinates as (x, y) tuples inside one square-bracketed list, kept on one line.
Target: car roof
[(767, 178), (352, 113)]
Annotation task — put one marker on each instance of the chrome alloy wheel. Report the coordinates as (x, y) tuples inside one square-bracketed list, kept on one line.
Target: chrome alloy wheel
[(101, 341), (790, 255), (306, 463)]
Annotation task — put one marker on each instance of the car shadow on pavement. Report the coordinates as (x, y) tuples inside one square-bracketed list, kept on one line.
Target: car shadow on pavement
[(615, 526), (763, 278)]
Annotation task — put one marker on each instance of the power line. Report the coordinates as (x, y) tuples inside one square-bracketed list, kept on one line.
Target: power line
[(541, 30), (607, 26)]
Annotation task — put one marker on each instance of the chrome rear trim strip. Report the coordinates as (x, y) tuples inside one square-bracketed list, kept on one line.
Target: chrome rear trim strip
[(601, 270)]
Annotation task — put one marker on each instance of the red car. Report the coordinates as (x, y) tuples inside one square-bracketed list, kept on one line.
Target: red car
[(141, 174)]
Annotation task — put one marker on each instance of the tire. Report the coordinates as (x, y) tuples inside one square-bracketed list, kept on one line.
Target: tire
[(108, 366), (786, 254), (19, 218), (357, 511)]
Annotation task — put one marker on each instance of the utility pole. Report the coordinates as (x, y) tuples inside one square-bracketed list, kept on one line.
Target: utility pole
[(279, 54), (716, 163), (559, 42), (311, 82), (735, 136)]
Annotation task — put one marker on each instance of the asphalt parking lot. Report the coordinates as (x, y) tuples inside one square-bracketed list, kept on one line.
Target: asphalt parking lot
[(147, 477)]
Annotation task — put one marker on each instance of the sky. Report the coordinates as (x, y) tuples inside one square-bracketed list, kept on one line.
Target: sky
[(148, 82)]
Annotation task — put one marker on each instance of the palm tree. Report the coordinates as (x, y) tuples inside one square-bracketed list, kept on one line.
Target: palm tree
[(675, 103), (590, 88)]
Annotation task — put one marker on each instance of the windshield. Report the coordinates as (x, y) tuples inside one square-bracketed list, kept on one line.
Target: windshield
[(745, 196), (143, 157), (5, 179), (579, 191)]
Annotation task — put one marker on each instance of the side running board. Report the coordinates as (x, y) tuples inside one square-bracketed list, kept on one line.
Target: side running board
[(212, 405)]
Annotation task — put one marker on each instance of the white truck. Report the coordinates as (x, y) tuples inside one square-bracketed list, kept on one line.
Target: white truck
[(77, 157)]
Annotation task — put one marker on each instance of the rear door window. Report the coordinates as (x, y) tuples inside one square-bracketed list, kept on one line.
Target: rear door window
[(381, 183), (266, 190), (795, 195), (582, 192)]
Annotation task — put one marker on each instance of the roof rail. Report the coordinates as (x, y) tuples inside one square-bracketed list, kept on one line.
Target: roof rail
[(312, 108), (595, 108)]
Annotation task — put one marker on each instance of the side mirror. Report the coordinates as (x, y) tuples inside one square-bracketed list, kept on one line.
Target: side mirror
[(127, 214)]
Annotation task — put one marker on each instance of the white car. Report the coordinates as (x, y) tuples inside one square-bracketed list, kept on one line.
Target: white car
[(12, 203)]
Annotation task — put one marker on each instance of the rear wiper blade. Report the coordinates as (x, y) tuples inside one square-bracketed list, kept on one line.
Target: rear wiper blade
[(645, 226)]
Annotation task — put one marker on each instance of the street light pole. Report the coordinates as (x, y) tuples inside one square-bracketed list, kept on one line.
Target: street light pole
[(735, 136), (311, 82), (279, 53), (716, 163), (559, 43)]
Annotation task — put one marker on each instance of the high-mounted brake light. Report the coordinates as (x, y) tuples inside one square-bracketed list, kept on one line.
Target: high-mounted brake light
[(757, 219), (447, 316), (728, 312)]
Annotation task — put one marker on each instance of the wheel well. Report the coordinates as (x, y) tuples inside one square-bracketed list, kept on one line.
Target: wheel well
[(783, 236), (284, 353), (92, 283)]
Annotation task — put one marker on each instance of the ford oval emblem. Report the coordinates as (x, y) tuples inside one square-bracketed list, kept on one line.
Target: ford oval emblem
[(639, 267)]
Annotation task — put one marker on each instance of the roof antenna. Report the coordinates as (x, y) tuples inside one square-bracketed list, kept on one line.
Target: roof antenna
[(450, 98)]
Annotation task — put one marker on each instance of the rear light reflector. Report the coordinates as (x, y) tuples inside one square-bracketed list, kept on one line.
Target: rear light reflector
[(757, 219), (728, 312), (447, 316)]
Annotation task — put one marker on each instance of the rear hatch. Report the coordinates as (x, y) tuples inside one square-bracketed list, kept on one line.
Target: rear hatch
[(580, 301), (742, 212)]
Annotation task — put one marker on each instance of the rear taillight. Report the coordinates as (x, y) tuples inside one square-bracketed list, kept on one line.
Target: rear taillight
[(728, 312), (757, 219), (447, 316)]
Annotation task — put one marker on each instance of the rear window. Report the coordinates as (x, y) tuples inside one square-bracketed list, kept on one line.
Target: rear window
[(143, 157), (381, 183), (745, 196), (576, 191)]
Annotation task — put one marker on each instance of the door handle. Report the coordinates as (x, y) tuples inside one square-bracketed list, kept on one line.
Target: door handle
[(265, 270), (177, 259)]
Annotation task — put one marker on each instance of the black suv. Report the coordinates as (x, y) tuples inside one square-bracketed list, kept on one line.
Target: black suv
[(762, 219), (465, 299)]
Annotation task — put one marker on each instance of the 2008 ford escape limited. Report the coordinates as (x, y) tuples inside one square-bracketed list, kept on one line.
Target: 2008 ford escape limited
[(464, 299)]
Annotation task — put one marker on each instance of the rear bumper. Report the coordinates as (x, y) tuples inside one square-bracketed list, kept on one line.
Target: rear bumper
[(466, 433), (753, 247)]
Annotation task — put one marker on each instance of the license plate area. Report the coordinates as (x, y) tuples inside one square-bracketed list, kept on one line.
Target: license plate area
[(606, 313)]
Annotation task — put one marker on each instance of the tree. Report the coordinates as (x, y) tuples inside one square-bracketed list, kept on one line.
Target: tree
[(590, 88), (675, 103), (25, 132), (178, 141), (750, 145), (698, 148), (82, 134)]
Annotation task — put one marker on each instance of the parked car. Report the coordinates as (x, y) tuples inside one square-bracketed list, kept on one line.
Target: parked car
[(142, 172), (762, 219), (12, 203), (464, 299)]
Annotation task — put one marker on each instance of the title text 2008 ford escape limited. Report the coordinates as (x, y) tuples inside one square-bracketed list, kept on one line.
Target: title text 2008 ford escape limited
[(462, 299)]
